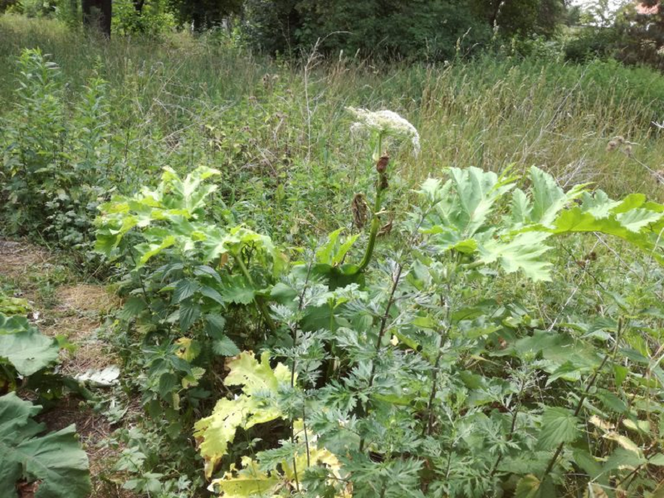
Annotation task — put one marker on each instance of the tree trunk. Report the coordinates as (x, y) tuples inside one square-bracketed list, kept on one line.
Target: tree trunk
[(496, 12), (138, 5), (97, 15)]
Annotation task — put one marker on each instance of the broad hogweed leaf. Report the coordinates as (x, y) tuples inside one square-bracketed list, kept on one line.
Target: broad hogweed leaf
[(25, 347), (258, 381), (248, 481), (461, 218), (251, 481), (55, 460), (524, 252)]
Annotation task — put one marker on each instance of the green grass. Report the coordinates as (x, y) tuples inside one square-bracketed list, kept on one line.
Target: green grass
[(491, 112)]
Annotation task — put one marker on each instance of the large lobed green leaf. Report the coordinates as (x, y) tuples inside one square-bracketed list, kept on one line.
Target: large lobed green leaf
[(55, 460), (258, 381), (559, 425), (25, 347), (464, 217)]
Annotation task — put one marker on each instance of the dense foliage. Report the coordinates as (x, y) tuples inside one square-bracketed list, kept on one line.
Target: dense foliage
[(425, 30), (643, 34), (53, 155), (314, 311), (387, 373)]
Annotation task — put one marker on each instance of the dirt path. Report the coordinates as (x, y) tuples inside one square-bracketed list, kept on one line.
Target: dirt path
[(60, 306)]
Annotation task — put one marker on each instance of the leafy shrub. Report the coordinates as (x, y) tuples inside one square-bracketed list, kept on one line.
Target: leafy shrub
[(592, 43), (54, 162), (404, 406), (184, 276), (403, 377), (152, 20), (205, 14), (30, 8)]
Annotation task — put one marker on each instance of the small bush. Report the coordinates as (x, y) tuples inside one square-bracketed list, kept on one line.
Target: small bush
[(54, 158)]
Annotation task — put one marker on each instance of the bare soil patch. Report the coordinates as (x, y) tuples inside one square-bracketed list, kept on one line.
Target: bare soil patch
[(62, 307), (17, 258)]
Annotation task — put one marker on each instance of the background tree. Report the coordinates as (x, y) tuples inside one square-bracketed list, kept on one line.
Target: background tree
[(523, 18), (97, 14), (550, 15), (642, 28), (204, 13), (424, 29)]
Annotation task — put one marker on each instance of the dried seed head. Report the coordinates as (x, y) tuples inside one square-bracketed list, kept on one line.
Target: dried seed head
[(386, 229), (383, 185), (360, 210), (628, 150), (659, 176), (612, 145), (620, 139), (381, 165)]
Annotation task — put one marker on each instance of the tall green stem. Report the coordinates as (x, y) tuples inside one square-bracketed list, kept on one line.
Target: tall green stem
[(375, 226), (375, 220)]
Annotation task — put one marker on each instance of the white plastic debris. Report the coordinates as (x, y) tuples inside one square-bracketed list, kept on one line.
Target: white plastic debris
[(105, 377)]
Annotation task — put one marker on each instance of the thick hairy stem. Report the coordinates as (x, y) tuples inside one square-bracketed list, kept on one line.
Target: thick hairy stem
[(375, 226), (260, 303), (375, 220)]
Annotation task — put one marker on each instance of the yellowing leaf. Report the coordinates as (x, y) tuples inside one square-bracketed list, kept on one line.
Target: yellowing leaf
[(189, 349), (600, 424), (625, 442), (527, 487), (215, 432), (247, 482), (595, 491)]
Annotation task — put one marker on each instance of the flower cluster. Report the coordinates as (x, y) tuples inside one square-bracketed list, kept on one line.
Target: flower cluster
[(388, 123)]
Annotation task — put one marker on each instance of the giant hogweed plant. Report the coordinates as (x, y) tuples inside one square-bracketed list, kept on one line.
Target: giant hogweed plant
[(404, 376), (436, 391)]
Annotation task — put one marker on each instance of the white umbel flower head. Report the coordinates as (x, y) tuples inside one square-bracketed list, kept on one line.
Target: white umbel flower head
[(388, 123)]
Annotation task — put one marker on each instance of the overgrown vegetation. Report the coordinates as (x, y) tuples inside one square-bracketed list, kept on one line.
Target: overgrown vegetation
[(324, 300)]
